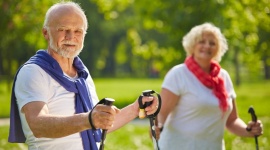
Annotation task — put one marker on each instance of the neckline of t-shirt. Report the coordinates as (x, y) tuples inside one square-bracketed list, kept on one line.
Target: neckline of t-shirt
[(73, 78)]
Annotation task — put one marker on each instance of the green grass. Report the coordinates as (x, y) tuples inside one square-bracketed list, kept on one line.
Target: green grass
[(130, 137), (134, 137), (4, 99), (4, 145), (125, 90)]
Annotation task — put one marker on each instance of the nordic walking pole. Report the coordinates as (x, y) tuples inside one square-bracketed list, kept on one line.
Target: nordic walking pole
[(153, 117), (108, 102), (254, 119)]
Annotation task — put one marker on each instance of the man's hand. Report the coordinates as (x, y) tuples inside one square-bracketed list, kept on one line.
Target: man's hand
[(153, 107), (103, 116)]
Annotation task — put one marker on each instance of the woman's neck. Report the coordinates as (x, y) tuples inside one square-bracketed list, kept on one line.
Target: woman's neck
[(204, 65)]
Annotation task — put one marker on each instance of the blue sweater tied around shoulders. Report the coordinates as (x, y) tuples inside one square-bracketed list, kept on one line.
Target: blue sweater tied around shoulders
[(83, 101)]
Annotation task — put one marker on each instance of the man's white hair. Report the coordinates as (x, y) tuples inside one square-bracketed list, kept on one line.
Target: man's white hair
[(53, 8)]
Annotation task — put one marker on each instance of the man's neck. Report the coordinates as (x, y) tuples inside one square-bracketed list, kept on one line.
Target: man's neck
[(66, 64)]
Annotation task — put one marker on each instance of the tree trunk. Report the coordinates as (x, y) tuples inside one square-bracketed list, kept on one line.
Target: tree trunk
[(266, 67), (237, 66)]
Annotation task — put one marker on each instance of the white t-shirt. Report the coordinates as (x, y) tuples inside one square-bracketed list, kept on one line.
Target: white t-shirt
[(196, 123), (34, 84)]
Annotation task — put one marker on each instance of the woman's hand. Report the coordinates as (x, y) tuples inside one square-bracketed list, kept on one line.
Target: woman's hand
[(255, 128)]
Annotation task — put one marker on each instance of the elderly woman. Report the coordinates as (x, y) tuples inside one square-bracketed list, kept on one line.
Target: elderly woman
[(199, 98)]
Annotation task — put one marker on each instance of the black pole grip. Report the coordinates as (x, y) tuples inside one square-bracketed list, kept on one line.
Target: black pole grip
[(142, 106), (107, 102), (254, 119), (147, 93), (252, 113)]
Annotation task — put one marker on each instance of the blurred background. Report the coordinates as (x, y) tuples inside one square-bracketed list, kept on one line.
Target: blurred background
[(128, 38), (131, 44)]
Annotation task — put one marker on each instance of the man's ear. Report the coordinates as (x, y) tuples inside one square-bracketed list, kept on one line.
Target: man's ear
[(45, 33)]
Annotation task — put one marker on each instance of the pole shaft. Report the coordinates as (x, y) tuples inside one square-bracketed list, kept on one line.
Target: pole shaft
[(256, 141)]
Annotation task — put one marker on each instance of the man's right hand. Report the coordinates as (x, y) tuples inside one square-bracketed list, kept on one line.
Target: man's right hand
[(103, 116)]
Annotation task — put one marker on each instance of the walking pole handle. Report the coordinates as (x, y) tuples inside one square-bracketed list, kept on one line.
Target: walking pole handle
[(107, 102), (254, 119), (252, 113), (152, 117)]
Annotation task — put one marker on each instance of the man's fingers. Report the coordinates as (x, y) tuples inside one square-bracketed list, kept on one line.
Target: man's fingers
[(147, 99), (153, 107), (103, 116)]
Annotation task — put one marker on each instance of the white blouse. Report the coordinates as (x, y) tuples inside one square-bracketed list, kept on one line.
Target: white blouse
[(196, 122)]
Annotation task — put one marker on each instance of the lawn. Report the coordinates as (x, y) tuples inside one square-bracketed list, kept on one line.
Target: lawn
[(125, 91), (135, 136)]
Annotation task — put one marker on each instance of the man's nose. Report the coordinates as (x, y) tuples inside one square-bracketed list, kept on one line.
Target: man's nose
[(69, 35)]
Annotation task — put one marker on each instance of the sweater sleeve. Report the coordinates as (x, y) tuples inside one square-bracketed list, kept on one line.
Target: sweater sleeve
[(228, 84), (173, 80)]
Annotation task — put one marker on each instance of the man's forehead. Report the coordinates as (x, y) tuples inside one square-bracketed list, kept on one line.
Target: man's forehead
[(66, 15), (69, 27), (67, 21)]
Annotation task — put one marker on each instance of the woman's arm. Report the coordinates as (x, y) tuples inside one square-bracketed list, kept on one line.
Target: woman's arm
[(169, 101), (237, 126)]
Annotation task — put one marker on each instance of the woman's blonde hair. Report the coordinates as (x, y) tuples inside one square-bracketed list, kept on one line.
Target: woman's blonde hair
[(195, 34)]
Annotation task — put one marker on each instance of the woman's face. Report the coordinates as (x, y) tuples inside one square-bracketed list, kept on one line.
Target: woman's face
[(206, 48)]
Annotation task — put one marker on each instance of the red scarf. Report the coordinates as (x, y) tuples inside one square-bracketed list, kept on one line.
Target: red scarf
[(211, 80)]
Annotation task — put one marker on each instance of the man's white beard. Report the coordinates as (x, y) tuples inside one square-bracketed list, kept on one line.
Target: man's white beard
[(67, 52)]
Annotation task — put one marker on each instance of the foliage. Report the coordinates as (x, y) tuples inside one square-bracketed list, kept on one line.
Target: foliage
[(245, 37), (174, 18), (20, 29), (128, 38)]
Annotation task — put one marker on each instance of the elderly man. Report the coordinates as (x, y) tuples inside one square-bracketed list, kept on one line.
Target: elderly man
[(53, 95)]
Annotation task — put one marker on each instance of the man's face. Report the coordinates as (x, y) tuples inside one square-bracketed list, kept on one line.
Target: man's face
[(66, 34)]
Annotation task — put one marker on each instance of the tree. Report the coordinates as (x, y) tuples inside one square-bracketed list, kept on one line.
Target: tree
[(245, 23), (164, 23), (139, 38), (20, 30)]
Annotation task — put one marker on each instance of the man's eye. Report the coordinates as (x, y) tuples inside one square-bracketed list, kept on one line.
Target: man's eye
[(60, 29), (78, 32)]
